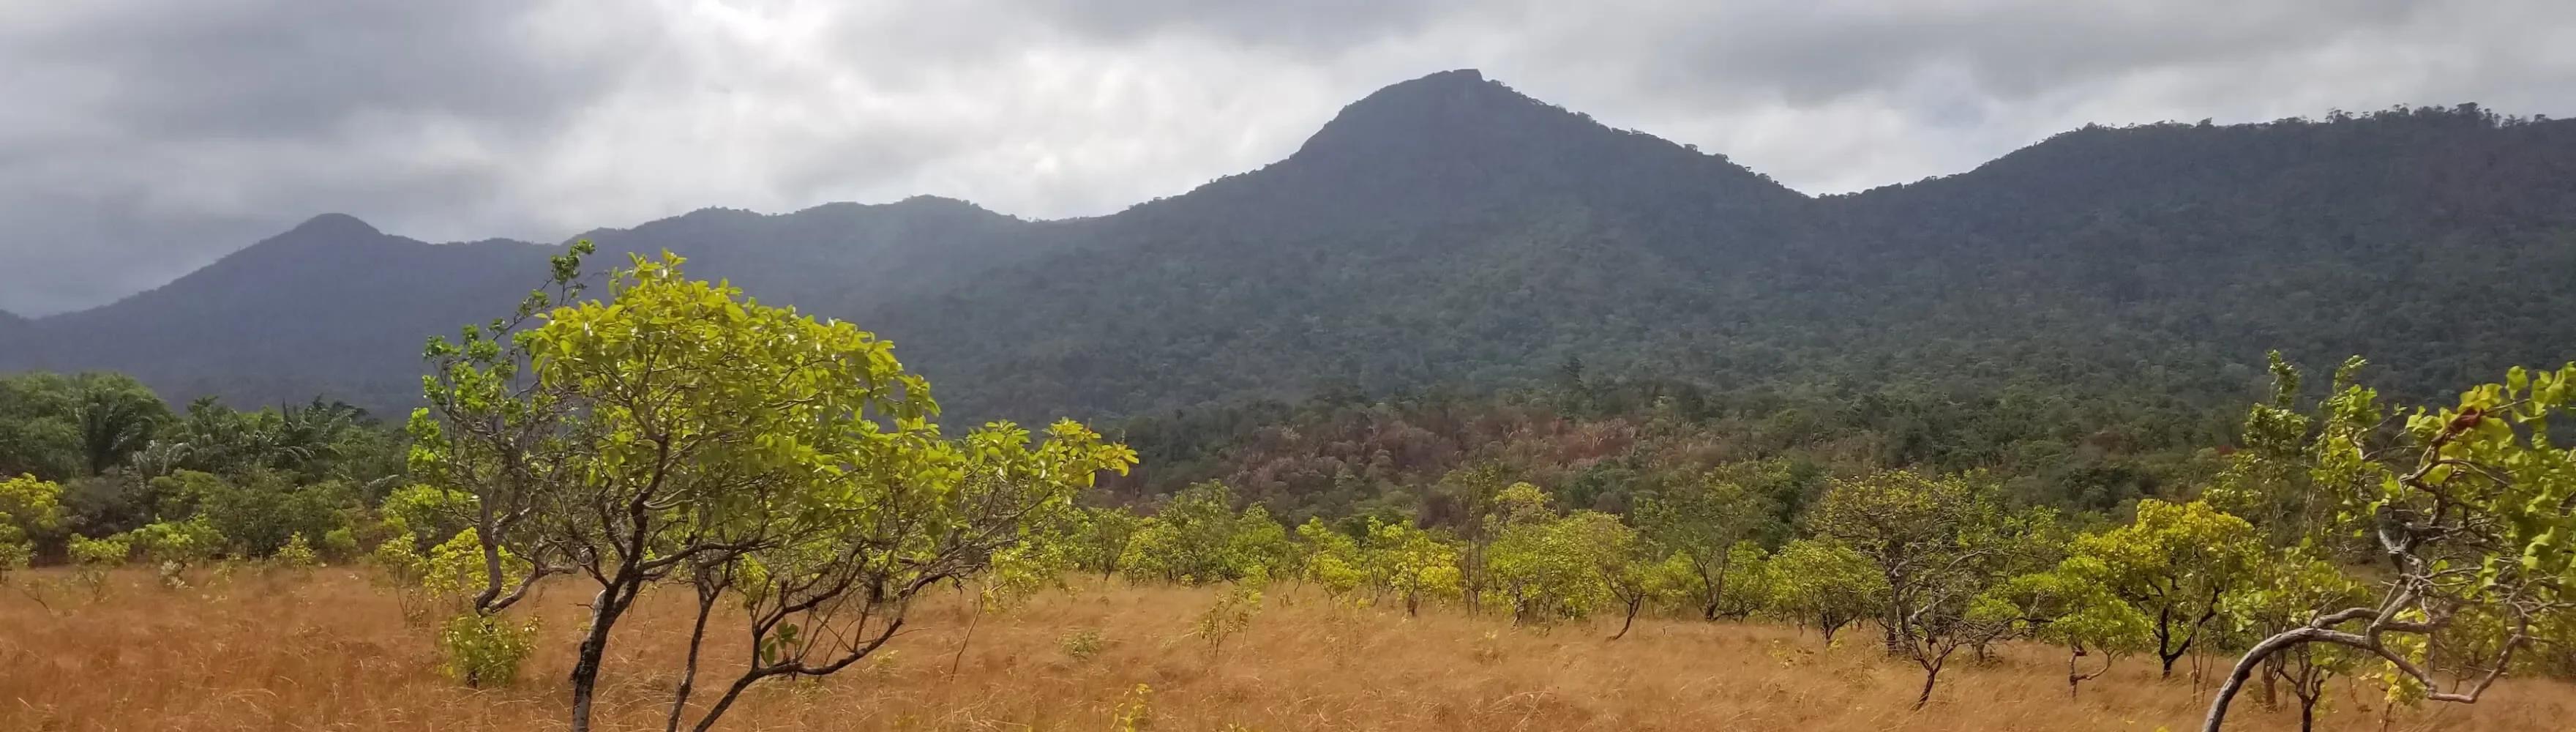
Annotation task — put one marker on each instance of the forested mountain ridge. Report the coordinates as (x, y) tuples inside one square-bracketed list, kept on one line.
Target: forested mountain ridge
[(1448, 231)]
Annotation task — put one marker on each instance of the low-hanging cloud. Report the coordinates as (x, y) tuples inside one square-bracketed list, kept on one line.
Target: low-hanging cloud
[(139, 140)]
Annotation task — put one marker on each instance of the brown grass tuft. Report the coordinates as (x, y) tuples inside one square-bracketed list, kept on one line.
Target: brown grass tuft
[(329, 651)]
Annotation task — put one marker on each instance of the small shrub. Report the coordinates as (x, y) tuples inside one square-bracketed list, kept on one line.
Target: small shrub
[(175, 546), (340, 544), (1231, 614), (1082, 644), (297, 554), (1136, 712), (92, 559), (484, 651), (404, 569)]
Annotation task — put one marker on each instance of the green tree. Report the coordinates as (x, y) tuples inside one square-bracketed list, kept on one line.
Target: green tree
[(2175, 564), (2469, 505), (1750, 579), (1332, 559), (1198, 537), (2283, 595), (1101, 537), (1543, 566), (30, 510), (679, 430), (1704, 520), (2070, 606), (1939, 542), (1412, 563), (38, 434), (1825, 585), (262, 510)]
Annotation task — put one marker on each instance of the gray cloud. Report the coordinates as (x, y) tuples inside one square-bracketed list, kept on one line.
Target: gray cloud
[(142, 139)]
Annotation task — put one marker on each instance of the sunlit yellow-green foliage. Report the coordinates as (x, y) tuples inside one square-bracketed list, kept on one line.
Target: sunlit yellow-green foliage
[(2069, 605), (2174, 564), (1412, 563), (1749, 582), (93, 558), (1545, 567), (178, 542), (1706, 522), (2468, 506), (1198, 537), (679, 430), (1100, 537), (29, 509), (481, 651), (2285, 591), (1824, 585), (422, 510), (453, 570), (1332, 559)]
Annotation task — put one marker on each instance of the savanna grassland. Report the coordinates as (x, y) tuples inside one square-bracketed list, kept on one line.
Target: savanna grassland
[(329, 649)]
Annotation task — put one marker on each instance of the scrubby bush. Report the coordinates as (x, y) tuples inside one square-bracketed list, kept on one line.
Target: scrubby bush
[(482, 651)]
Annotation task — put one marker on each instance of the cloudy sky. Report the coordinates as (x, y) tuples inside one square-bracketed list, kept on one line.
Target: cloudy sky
[(140, 139)]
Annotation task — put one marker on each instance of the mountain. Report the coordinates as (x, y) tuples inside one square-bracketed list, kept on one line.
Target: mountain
[(336, 307), (1449, 231)]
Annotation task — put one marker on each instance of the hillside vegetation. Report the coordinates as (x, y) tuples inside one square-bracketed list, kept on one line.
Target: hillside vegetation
[(1447, 233)]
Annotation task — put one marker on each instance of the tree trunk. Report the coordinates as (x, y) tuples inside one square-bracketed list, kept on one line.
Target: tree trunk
[(707, 594), (1931, 673), (1633, 605), (604, 610), (2308, 714), (2271, 683)]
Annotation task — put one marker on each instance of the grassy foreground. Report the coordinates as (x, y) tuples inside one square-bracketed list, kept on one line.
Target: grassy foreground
[(330, 651)]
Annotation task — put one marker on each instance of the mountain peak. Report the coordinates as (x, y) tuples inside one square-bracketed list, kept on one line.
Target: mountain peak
[(333, 225), (1433, 109)]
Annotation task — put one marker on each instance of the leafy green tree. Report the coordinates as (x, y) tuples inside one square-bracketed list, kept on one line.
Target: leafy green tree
[(2174, 564), (1198, 537), (1332, 559), (264, 510), (2283, 595), (116, 416), (1940, 543), (1544, 567), (2469, 506), (1751, 580), (1259, 543), (1704, 520), (31, 511), (1465, 498), (1412, 563), (1626, 566), (177, 546), (92, 559), (1825, 585), (1101, 537), (2070, 606), (427, 511), (681, 431), (38, 434)]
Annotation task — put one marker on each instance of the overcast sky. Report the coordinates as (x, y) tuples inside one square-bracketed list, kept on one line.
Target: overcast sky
[(140, 139)]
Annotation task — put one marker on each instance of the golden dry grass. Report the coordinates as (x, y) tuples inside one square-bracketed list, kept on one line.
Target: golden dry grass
[(329, 651)]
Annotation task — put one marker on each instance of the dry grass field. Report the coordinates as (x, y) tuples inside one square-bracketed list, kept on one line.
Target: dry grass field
[(330, 651)]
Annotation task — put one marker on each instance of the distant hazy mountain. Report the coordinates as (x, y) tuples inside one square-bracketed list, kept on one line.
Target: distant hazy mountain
[(1450, 231)]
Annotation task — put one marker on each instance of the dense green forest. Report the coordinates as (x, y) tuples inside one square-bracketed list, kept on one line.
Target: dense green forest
[(1449, 235)]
